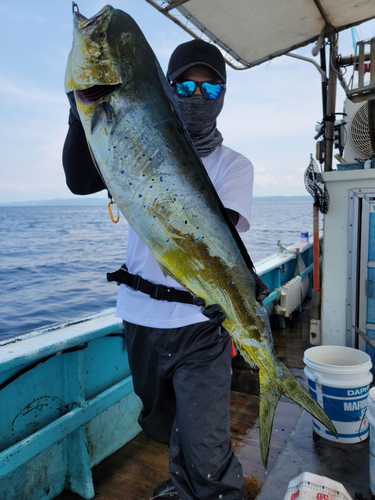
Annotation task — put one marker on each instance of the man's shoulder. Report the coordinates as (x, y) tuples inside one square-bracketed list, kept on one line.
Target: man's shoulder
[(226, 160), (229, 155)]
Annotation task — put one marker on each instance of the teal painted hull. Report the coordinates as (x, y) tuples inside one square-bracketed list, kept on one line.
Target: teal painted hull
[(65, 415), (67, 399)]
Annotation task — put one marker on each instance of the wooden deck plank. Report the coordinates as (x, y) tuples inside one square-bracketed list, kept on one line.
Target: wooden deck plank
[(135, 470), (141, 464)]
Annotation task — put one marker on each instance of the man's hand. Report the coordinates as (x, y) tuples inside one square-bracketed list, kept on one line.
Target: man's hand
[(213, 312), (261, 289)]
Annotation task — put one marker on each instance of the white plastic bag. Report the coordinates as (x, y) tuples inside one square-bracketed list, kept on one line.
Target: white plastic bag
[(309, 486)]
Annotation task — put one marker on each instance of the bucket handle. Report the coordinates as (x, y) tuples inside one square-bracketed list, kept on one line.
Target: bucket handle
[(317, 379), (361, 419)]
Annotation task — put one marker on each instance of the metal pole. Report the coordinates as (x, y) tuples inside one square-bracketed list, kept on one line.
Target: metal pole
[(316, 272), (316, 296), (312, 61), (316, 280), (352, 59), (331, 102), (323, 67)]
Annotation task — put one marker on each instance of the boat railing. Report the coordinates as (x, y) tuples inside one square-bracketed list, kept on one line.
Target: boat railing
[(59, 388)]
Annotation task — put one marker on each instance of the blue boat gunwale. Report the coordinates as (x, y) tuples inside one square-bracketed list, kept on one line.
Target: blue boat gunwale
[(45, 341), (266, 265)]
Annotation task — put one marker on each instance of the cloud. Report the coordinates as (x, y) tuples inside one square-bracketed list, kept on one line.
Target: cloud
[(250, 120), (265, 179), (294, 180), (269, 115), (39, 177), (49, 154), (259, 103), (28, 91), (32, 141), (7, 11)]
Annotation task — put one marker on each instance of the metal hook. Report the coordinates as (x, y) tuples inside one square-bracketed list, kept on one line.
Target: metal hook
[(74, 5), (110, 212)]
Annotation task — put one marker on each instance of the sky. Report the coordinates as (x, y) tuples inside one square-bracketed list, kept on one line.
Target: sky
[(269, 115)]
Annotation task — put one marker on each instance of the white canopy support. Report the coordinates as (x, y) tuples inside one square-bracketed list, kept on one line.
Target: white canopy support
[(250, 32)]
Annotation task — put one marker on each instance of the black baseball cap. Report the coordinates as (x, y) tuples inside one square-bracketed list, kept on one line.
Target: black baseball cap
[(194, 53)]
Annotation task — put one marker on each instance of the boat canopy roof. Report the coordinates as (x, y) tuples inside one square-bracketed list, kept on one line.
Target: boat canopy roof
[(253, 31)]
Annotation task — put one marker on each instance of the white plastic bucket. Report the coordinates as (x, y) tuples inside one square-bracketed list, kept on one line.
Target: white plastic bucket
[(339, 379), (309, 486), (371, 419)]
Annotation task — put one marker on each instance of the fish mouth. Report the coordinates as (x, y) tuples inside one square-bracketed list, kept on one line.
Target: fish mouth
[(87, 26), (93, 94)]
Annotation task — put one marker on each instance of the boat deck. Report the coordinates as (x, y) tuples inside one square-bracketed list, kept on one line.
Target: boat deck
[(134, 470)]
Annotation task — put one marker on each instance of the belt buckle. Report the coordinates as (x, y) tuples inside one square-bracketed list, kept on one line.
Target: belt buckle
[(137, 282), (169, 297), (155, 292)]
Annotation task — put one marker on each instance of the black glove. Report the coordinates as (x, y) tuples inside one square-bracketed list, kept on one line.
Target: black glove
[(213, 312), (261, 289)]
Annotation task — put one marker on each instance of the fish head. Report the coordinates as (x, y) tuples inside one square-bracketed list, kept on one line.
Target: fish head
[(102, 49), (90, 61), (110, 58)]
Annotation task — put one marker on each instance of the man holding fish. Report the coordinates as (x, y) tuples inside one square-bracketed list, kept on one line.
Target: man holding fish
[(182, 200), (180, 361)]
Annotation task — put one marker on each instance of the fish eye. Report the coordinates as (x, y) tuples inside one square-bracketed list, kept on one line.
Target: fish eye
[(101, 35)]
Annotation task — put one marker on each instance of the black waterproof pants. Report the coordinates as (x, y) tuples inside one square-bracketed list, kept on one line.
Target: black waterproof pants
[(182, 376)]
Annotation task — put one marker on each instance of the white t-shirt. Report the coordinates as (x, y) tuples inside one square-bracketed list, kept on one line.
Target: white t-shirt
[(232, 175)]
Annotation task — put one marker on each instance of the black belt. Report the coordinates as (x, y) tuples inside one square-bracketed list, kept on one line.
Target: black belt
[(158, 292)]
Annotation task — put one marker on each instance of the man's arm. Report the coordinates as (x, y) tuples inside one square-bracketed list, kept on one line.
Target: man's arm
[(80, 172), (234, 216)]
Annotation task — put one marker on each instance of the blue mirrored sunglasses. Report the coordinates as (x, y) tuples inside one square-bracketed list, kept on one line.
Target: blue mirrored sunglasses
[(186, 88)]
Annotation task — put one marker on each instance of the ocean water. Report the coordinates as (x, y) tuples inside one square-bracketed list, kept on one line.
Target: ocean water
[(54, 260)]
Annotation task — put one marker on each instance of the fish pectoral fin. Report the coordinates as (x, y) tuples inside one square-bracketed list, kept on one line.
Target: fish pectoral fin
[(102, 112), (245, 353), (165, 270)]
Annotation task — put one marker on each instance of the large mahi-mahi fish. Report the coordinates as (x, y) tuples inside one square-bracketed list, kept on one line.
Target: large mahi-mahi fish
[(160, 185)]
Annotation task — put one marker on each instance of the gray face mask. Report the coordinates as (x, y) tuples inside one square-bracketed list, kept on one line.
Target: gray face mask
[(199, 117)]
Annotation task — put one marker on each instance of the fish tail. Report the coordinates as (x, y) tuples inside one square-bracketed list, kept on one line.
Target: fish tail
[(269, 397), (271, 388)]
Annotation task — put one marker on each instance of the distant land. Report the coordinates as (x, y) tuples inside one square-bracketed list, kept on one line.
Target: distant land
[(283, 199), (58, 202), (84, 201)]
